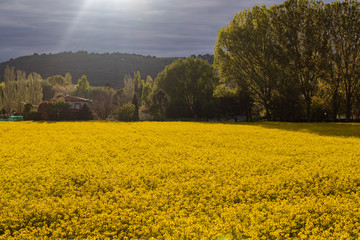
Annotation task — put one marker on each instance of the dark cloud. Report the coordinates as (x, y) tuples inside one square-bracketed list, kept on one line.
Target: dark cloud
[(157, 27)]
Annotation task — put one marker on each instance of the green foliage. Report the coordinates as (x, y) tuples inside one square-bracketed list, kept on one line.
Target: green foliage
[(189, 82), (231, 101), (300, 33), (343, 30), (159, 104), (83, 83), (284, 57), (146, 91), (68, 78), (57, 80), (57, 110), (33, 116), (19, 88), (126, 113), (34, 88), (10, 89), (82, 87), (47, 90)]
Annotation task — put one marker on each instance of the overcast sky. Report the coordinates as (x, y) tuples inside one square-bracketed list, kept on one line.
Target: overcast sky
[(159, 28)]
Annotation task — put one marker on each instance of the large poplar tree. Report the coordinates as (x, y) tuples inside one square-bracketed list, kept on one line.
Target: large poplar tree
[(345, 45), (246, 53)]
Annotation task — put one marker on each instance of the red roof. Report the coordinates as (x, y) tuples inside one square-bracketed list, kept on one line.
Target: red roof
[(72, 99)]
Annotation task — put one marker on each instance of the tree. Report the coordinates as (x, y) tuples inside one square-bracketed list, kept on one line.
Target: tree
[(160, 102), (68, 79), (102, 101), (231, 101), (189, 82), (10, 89), (2, 87), (286, 56), (82, 87), (299, 33), (57, 80), (245, 53), (125, 94), (345, 46), (47, 90), (35, 90), (137, 85), (126, 113), (330, 82), (21, 91), (146, 91), (63, 90)]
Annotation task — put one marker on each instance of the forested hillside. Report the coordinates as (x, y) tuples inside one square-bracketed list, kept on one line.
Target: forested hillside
[(100, 69)]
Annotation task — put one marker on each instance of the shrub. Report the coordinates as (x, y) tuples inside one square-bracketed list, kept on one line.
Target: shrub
[(55, 110), (34, 116)]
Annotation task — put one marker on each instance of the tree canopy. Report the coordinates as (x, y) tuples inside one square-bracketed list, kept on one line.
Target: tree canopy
[(285, 55), (190, 84)]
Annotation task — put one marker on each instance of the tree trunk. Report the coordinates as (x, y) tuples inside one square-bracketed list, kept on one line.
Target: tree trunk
[(348, 107), (335, 107), (308, 110), (267, 113)]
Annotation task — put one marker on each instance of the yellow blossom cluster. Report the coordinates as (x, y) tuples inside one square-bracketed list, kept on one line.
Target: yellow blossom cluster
[(176, 180)]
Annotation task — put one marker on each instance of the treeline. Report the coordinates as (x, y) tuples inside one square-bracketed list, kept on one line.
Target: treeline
[(184, 89), (299, 60)]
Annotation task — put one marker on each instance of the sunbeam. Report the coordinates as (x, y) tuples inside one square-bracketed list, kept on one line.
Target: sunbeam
[(112, 12)]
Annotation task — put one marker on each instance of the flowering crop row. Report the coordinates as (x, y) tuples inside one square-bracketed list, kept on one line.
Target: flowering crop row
[(107, 180)]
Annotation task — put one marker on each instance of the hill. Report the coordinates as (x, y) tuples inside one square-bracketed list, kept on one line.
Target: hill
[(100, 69)]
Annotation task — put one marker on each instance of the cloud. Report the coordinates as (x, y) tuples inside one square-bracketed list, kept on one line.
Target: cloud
[(157, 27)]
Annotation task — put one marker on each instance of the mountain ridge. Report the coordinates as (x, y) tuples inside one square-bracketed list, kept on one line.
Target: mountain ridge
[(100, 68)]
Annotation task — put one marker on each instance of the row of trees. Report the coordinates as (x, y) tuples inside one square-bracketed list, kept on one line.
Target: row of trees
[(297, 60), (18, 89), (184, 89)]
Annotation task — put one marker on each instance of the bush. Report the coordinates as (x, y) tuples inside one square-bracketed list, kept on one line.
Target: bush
[(34, 116), (57, 110)]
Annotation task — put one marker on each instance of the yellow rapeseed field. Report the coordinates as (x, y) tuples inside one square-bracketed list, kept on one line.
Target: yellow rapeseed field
[(174, 180)]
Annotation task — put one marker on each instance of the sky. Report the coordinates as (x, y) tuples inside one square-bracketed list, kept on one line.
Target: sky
[(162, 28)]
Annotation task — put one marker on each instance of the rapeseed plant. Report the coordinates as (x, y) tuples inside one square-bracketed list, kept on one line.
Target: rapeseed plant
[(109, 180)]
